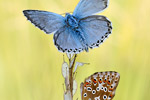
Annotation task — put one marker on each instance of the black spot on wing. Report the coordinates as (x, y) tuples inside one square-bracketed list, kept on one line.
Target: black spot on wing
[(106, 35)]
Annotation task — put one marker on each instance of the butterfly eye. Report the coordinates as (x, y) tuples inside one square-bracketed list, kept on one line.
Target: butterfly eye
[(85, 95), (93, 92), (104, 97)]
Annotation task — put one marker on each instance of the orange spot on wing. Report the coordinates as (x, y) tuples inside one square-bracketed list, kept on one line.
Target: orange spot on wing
[(86, 83), (110, 89), (94, 81), (100, 81), (111, 95), (104, 81), (108, 83)]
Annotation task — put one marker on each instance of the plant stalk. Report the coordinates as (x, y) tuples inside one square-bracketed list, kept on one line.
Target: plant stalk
[(71, 77), (68, 95)]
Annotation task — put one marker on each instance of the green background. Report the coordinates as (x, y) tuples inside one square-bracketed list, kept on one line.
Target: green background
[(30, 64)]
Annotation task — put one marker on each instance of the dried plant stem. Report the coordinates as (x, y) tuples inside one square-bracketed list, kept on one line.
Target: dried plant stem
[(71, 77)]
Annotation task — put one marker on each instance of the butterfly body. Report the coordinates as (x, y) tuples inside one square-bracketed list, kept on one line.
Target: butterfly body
[(75, 32), (71, 21)]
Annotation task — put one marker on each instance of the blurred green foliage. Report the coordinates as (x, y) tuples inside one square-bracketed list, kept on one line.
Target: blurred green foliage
[(30, 65)]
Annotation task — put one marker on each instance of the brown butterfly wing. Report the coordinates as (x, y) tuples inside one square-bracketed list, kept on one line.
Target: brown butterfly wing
[(100, 86)]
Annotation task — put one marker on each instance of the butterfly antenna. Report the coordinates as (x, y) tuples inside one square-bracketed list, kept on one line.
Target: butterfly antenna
[(65, 13)]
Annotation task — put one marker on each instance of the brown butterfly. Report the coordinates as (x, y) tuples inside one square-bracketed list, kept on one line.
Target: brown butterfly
[(100, 86)]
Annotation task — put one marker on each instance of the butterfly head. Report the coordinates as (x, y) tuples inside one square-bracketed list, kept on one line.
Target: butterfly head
[(71, 21)]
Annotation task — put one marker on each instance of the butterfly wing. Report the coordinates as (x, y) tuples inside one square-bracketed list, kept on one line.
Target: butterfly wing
[(66, 40), (96, 29), (100, 86), (47, 21), (88, 7)]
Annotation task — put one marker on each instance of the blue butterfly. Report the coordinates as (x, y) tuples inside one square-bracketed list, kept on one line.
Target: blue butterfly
[(75, 32)]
